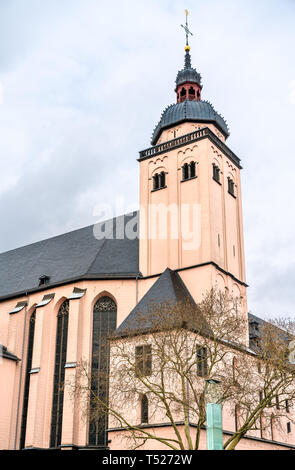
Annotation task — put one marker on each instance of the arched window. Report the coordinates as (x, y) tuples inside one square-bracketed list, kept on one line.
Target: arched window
[(188, 171), (156, 181), (231, 187), (144, 410), (159, 181), (185, 174), (183, 92), (216, 173), (27, 379), (191, 93), (104, 323), (192, 167), (59, 374)]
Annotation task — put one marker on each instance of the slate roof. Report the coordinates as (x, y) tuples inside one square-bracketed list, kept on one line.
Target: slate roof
[(196, 111), (71, 256), (188, 73), (169, 288)]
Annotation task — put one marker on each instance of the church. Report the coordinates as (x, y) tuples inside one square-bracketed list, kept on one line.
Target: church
[(59, 297)]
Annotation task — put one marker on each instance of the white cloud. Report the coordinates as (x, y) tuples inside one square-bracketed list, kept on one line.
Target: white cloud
[(85, 83)]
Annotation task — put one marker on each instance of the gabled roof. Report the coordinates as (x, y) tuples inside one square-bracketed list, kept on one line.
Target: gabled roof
[(168, 289), (72, 256)]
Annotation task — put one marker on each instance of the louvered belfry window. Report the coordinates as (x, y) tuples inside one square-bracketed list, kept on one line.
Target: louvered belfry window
[(27, 379), (104, 323), (59, 374)]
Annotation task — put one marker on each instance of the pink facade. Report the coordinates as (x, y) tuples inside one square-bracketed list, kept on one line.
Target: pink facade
[(204, 244)]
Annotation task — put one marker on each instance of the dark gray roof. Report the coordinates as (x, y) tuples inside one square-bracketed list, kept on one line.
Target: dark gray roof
[(196, 111), (71, 256), (170, 288), (188, 73), (6, 354)]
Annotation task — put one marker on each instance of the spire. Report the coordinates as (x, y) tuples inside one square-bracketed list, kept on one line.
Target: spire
[(188, 81), (187, 60)]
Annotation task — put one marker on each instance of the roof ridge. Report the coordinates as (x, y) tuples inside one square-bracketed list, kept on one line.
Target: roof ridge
[(63, 234)]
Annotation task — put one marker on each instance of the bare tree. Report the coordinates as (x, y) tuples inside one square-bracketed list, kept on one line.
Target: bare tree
[(159, 364)]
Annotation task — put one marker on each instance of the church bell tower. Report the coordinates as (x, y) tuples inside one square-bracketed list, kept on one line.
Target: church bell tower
[(190, 192)]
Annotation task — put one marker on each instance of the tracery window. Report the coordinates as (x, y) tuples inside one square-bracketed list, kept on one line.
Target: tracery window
[(27, 379), (104, 323), (59, 374)]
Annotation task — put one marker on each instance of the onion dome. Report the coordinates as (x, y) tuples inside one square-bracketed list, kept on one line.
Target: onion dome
[(192, 111)]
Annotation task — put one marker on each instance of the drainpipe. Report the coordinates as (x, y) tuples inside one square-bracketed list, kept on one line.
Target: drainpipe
[(21, 373)]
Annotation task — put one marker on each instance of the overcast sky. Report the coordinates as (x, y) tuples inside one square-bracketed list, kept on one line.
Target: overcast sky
[(83, 84)]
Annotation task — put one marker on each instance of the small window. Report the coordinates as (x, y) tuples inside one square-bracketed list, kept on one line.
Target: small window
[(231, 187), (259, 368), (188, 171), (159, 181), (216, 173), (143, 360), (185, 172), (43, 280), (288, 428), (202, 362), (156, 181), (192, 167), (144, 410), (287, 406), (277, 402)]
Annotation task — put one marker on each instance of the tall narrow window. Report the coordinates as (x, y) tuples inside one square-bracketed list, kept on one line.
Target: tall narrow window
[(104, 323), (231, 187), (192, 169), (156, 181), (144, 410), (202, 362), (238, 418), (216, 173), (59, 374), (143, 360), (185, 174), (27, 380)]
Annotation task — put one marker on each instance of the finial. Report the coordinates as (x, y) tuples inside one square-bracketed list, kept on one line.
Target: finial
[(187, 32)]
